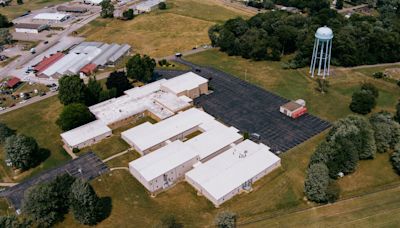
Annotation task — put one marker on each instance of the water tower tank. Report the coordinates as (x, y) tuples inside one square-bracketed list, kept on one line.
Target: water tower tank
[(321, 58)]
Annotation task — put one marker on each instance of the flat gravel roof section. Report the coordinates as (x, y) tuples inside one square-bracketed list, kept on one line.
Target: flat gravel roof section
[(255, 110), (87, 166)]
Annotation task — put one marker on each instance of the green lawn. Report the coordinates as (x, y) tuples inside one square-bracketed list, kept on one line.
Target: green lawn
[(115, 144), (295, 84), (14, 10), (181, 27), (38, 121), (276, 195), (375, 210)]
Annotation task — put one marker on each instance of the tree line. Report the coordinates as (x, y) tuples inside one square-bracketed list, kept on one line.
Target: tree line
[(351, 139), (358, 40), (46, 204)]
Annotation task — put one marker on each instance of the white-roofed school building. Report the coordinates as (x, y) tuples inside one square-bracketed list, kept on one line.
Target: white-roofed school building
[(163, 168), (86, 135), (174, 154), (233, 171), (148, 100), (189, 84), (148, 137)]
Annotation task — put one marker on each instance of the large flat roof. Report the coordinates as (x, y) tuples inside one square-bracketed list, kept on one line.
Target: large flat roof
[(86, 132), (163, 160), (50, 16), (159, 103), (148, 135), (209, 142), (184, 82), (229, 170)]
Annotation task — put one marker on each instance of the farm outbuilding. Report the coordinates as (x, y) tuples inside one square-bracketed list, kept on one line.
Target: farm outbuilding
[(233, 171), (294, 109), (86, 135), (30, 28)]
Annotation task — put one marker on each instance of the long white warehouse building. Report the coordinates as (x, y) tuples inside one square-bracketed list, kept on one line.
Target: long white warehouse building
[(233, 171)]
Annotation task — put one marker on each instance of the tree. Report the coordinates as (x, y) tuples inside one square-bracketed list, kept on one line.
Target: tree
[(22, 151), (339, 4), (93, 91), (397, 114), (362, 102), (162, 6), (141, 68), (119, 81), (268, 4), (225, 219), (107, 94), (5, 132), (42, 205), (128, 14), (317, 182), (71, 90), (5, 36), (395, 159), (12, 221), (74, 115), (386, 131), (20, 2), (4, 23), (107, 9), (85, 203), (371, 88), (332, 191)]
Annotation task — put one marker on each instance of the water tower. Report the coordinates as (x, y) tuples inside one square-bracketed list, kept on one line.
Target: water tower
[(321, 57)]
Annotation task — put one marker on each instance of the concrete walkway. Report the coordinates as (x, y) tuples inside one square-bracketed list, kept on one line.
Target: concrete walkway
[(68, 150), (117, 155), (119, 168)]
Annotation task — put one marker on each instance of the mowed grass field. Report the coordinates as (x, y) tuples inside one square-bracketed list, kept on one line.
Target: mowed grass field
[(296, 84), (275, 195), (14, 10), (181, 27), (38, 121)]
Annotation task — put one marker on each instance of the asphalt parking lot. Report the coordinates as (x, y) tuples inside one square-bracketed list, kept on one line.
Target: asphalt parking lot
[(87, 166), (255, 110)]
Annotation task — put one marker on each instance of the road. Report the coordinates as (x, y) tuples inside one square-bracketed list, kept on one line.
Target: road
[(351, 9), (99, 76), (21, 62)]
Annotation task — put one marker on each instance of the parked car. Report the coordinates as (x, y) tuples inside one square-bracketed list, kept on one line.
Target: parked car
[(178, 55)]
